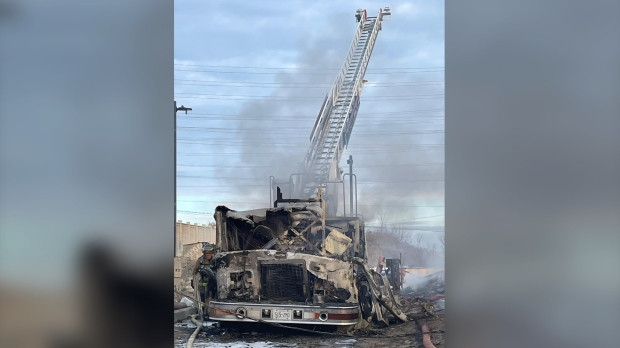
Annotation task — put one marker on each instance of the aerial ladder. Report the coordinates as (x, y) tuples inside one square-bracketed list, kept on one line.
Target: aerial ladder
[(332, 129)]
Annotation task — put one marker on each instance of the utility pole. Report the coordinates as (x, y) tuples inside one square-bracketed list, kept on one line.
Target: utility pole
[(350, 163), (181, 108)]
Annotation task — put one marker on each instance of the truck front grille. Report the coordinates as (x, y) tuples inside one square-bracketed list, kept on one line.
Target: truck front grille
[(284, 280)]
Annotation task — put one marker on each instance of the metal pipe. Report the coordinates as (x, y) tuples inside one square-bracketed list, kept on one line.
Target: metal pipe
[(350, 163), (271, 179), (355, 176), (351, 177), (344, 200), (290, 183), (175, 179), (322, 219), (180, 108)]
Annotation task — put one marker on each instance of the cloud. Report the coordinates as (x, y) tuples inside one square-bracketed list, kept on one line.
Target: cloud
[(406, 8)]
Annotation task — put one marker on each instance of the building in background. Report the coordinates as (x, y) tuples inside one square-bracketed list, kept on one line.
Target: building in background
[(187, 233), (189, 239), (177, 272)]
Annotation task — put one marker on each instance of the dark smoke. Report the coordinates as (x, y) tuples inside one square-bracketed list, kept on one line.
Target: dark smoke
[(397, 141)]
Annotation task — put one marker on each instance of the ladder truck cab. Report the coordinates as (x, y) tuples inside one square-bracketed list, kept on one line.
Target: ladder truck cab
[(298, 262), (292, 264)]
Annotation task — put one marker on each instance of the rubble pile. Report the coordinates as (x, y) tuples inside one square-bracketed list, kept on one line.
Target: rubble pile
[(425, 299), (431, 285)]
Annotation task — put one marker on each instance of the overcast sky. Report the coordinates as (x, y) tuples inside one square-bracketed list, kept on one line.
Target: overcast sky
[(255, 74)]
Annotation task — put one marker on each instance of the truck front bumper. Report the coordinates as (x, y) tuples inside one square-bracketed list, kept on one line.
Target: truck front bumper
[(335, 314)]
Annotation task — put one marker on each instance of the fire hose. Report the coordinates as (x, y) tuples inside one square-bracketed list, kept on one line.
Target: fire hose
[(426, 334), (190, 341), (436, 297)]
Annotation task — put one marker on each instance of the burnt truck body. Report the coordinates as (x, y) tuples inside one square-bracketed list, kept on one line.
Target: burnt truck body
[(291, 264)]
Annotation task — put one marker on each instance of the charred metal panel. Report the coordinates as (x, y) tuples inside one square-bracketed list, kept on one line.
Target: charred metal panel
[(284, 280), (393, 274), (336, 243), (284, 254)]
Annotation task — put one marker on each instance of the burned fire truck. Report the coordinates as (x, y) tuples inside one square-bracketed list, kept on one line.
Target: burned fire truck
[(298, 262), (294, 265)]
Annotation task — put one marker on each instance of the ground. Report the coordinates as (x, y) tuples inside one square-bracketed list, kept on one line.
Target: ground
[(396, 335)]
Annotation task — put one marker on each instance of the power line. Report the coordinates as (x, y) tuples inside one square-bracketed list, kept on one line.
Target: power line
[(279, 129), (226, 178), (314, 115), (363, 119), (263, 185), (280, 154), (194, 212), (391, 83), (295, 142), (290, 141), (299, 68), (322, 84), (406, 229), (211, 141), (401, 206), (364, 122), (299, 139), (389, 127), (296, 138), (264, 131), (307, 73), (219, 186), (291, 87), (397, 182), (257, 203), (268, 166), (216, 145), (249, 143), (318, 97), (299, 87), (221, 143), (276, 99), (233, 84), (417, 218), (366, 205)]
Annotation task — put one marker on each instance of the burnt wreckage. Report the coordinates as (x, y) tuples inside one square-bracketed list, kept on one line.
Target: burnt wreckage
[(292, 264)]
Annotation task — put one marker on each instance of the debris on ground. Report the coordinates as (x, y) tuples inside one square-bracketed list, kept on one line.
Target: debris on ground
[(398, 335), (426, 298), (424, 303)]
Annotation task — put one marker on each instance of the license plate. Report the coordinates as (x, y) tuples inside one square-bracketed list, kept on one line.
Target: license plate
[(282, 314)]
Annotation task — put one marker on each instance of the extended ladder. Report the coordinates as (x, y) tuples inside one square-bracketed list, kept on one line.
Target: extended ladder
[(336, 118)]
